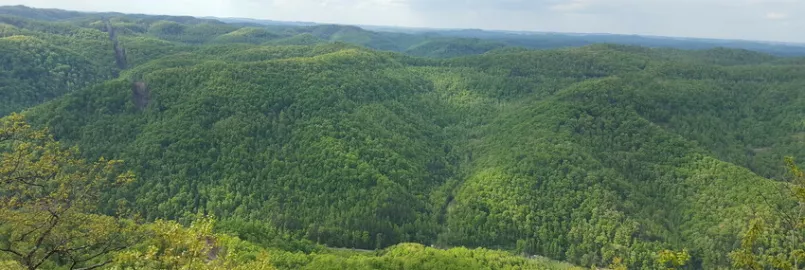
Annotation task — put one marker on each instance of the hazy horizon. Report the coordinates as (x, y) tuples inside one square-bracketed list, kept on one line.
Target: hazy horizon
[(757, 20)]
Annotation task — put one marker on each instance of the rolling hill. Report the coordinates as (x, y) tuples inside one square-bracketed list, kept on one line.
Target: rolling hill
[(330, 135)]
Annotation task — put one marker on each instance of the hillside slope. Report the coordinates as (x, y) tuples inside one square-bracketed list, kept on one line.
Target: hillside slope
[(356, 148), (589, 155)]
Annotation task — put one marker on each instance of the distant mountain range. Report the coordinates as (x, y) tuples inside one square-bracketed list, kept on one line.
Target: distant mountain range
[(260, 22), (300, 136), (779, 48)]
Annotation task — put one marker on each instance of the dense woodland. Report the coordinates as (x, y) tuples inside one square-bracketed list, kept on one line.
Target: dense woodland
[(159, 142)]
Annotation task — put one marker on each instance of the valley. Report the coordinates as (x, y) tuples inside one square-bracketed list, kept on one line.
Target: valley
[(305, 143)]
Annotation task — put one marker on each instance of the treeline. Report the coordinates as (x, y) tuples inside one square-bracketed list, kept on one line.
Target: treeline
[(50, 220), (604, 155), (349, 148)]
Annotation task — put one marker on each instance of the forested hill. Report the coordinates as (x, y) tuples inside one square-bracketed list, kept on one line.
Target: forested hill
[(551, 40), (602, 155)]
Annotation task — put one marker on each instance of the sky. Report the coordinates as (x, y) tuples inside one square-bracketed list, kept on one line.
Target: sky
[(769, 20)]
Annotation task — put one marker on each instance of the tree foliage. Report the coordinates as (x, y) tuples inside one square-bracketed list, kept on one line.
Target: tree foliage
[(297, 137), (49, 201), (777, 241)]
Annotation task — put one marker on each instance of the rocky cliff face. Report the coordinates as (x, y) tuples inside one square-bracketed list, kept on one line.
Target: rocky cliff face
[(120, 52)]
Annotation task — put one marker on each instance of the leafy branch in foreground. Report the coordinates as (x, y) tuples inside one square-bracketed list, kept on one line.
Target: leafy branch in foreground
[(49, 199), (169, 245), (786, 232)]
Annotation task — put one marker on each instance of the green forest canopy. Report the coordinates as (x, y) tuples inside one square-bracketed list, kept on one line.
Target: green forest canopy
[(596, 155)]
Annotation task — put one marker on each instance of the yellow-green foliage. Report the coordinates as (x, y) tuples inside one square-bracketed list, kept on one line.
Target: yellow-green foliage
[(169, 245), (672, 260), (49, 200), (246, 35), (598, 155), (777, 241), (413, 257)]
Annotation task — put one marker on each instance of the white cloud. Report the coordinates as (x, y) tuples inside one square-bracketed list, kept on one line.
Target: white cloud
[(738, 19), (776, 16), (573, 5)]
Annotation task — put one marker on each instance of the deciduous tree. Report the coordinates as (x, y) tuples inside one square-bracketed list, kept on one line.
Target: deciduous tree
[(49, 200)]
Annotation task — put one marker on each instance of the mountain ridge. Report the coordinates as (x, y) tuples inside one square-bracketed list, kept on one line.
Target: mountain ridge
[(593, 155)]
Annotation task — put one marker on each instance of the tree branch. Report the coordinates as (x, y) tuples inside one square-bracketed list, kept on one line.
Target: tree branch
[(9, 250), (105, 248), (24, 180), (101, 253), (37, 246), (45, 258), (16, 165), (786, 217), (25, 235), (94, 266)]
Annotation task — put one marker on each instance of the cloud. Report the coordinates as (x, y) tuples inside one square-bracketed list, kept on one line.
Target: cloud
[(449, 6), (573, 5), (776, 16), (736, 19)]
